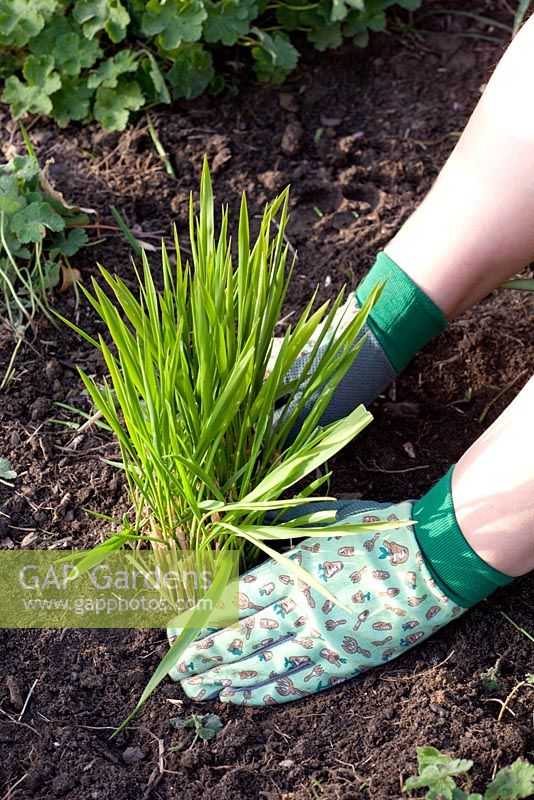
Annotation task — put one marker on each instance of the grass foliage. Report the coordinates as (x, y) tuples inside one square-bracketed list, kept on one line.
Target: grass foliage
[(203, 426), (205, 451)]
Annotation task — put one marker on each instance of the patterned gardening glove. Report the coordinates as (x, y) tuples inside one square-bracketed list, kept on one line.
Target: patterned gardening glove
[(291, 642)]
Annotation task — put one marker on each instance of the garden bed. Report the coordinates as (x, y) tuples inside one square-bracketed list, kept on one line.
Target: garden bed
[(360, 136)]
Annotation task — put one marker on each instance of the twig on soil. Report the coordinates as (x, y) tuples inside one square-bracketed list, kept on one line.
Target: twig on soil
[(516, 626), (510, 697), (9, 794), (500, 394), (419, 674), (28, 696), (392, 471), (281, 733), (16, 722)]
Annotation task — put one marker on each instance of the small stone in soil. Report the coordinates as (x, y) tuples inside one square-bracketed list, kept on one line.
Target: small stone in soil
[(132, 755), (39, 408), (292, 139), (53, 370), (15, 692)]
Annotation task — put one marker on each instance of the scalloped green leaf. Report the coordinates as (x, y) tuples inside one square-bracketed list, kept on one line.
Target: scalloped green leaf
[(112, 107), (97, 15), (191, 73)]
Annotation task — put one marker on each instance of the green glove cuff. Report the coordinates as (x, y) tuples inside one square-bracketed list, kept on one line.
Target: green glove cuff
[(453, 563), (404, 318)]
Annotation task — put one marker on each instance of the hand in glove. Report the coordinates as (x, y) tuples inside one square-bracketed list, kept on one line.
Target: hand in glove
[(291, 642)]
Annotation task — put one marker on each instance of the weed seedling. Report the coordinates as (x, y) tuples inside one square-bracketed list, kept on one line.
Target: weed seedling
[(438, 773), (197, 726), (6, 472)]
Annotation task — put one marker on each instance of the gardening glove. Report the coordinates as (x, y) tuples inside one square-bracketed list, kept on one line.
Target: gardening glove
[(291, 642), (403, 320), (369, 374)]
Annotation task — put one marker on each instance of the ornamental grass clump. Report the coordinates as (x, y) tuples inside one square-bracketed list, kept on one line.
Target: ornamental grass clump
[(202, 409)]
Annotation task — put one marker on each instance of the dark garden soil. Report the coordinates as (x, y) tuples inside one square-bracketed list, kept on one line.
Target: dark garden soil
[(389, 117)]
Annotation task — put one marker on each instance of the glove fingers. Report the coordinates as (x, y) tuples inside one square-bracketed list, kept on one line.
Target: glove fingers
[(298, 683), (264, 666), (244, 672), (254, 632)]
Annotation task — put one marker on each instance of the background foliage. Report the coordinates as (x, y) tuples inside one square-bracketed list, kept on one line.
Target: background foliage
[(104, 59)]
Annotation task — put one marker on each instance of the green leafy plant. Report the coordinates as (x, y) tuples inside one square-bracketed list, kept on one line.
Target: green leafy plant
[(437, 773), (7, 473), (490, 678), (105, 59), (201, 414), (38, 232), (197, 726)]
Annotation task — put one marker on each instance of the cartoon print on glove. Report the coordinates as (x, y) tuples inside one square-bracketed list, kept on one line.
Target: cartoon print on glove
[(331, 624), (382, 642), (269, 624), (432, 612), (212, 659), (333, 681), (327, 607), (381, 574), (360, 597), (413, 623), (414, 601), (316, 672), (307, 644), (382, 626), (370, 543), (328, 569), (236, 647), (390, 592), (264, 656), (249, 624), (386, 655), (269, 701), (264, 643), (412, 638), (348, 550), (245, 603), (363, 616), (350, 645), (305, 589), (400, 612), (293, 662), (184, 667), (249, 578), (332, 657), (266, 589), (302, 620), (204, 644), (284, 606), (285, 687), (394, 552), (410, 579), (433, 585), (357, 575), (314, 548)]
